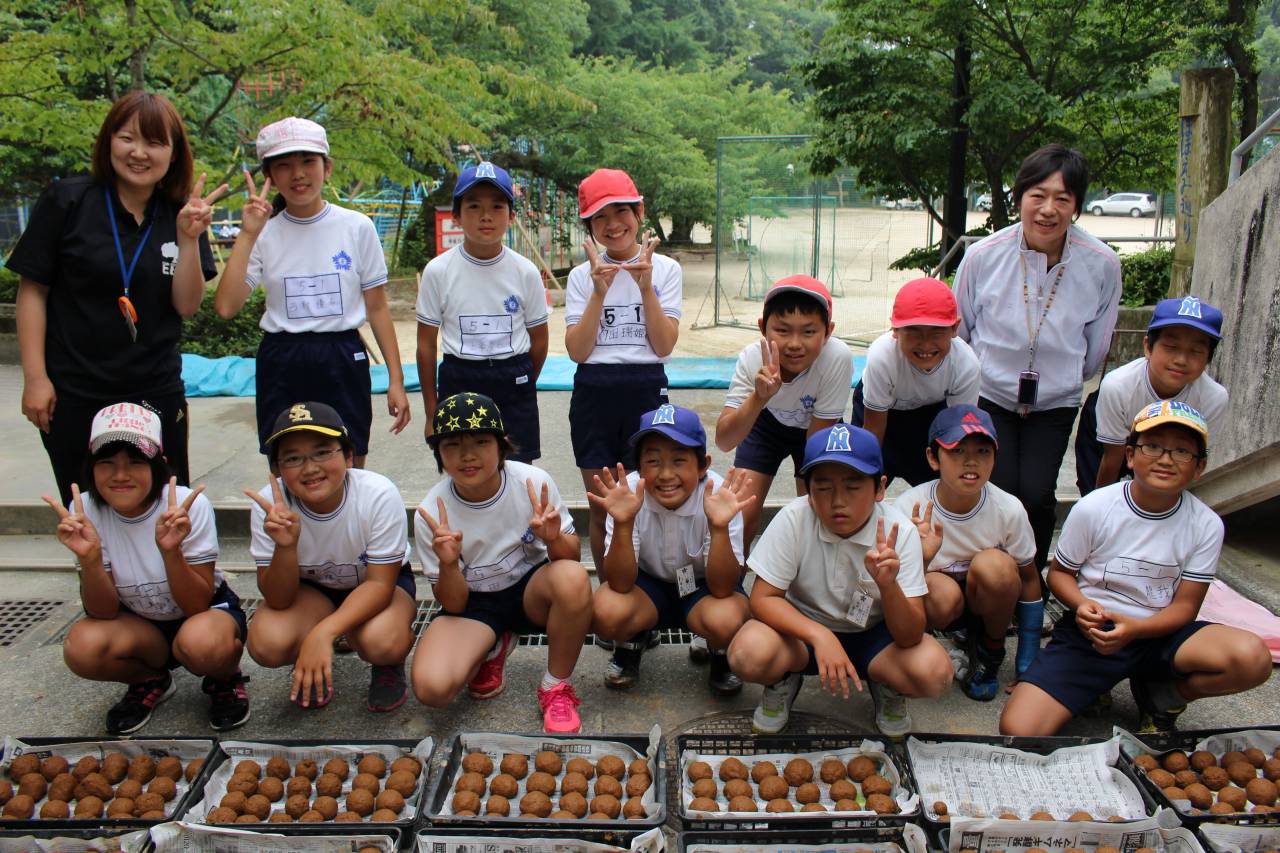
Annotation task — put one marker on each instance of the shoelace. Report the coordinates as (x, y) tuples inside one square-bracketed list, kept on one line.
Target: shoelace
[(146, 692), (557, 698), (229, 690)]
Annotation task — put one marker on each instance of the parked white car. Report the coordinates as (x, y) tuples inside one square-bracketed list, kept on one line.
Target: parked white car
[(1124, 204), (902, 204)]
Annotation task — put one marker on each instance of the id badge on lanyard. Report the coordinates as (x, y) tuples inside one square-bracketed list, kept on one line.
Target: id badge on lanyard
[(127, 311)]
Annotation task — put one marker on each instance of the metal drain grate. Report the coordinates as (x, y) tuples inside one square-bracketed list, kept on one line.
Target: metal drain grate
[(18, 616)]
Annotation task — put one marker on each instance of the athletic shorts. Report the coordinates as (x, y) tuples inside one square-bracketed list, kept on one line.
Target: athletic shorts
[(509, 381), (1074, 673), (673, 610), (605, 410), (502, 610), (768, 443), (906, 436), (861, 647), (328, 367), (404, 580), (224, 599)]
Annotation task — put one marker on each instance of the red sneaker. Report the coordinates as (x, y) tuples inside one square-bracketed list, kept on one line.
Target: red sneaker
[(560, 709), (488, 681)]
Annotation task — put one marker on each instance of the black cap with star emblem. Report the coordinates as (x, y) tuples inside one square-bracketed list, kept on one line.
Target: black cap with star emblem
[(463, 413)]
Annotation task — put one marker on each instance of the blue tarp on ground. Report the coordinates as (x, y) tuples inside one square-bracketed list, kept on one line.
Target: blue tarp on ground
[(234, 377)]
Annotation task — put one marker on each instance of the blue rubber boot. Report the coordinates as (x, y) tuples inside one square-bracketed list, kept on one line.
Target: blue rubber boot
[(1030, 615)]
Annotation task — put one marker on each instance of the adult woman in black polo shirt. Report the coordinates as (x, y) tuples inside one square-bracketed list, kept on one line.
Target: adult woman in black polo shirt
[(109, 266)]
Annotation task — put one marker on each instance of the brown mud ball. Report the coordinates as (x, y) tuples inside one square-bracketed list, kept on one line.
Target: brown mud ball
[(611, 765), (258, 806), (503, 785), (698, 770), (245, 784), (375, 765), (638, 766), (706, 788), (193, 769), (24, 764), (298, 785), (513, 764), (148, 803), (496, 805), (6, 792), (608, 785), (280, 817), (1175, 761), (1234, 797), (33, 785), (860, 767), (329, 784), (1041, 816), (470, 781), (882, 804), (847, 806), (1229, 758), (1200, 796), (1183, 778), (939, 807), (737, 788), (843, 790), (311, 816), (742, 804), (762, 770), (277, 767), (1241, 772), (348, 817), (1215, 778), (580, 765), (779, 806), (296, 805), (169, 767), (477, 762), (606, 804), (55, 764), (234, 801), (96, 785), (1160, 778), (370, 783), (62, 787), (535, 803), (574, 803), (574, 781), (772, 788), (59, 810), (248, 767), (1261, 792), (705, 804), (22, 807), (541, 781), (167, 788), (247, 818), (1253, 755), (1202, 758), (733, 768), (1008, 816), (876, 784), (271, 788), (338, 767), (548, 761), (633, 809), (90, 807), (327, 806), (1222, 808), (306, 767), (402, 781), (797, 772), (1147, 761), (813, 807), (599, 816), (808, 793), (1271, 769), (383, 816), (221, 815), (832, 770), (360, 801), (409, 764), (1173, 792), (114, 767), (84, 767), (563, 815), (390, 800)]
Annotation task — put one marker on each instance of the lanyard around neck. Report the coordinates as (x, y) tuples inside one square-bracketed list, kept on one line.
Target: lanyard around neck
[(126, 272), (1033, 335)]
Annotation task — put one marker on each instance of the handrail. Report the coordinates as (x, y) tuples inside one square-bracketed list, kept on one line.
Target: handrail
[(1237, 153)]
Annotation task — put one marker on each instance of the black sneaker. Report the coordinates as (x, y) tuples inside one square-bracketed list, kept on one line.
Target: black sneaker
[(134, 710), (228, 701), (982, 682), (623, 670), (720, 678), (387, 688), (1150, 717)]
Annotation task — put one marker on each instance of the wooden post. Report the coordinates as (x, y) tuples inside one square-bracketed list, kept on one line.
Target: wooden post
[(1204, 150)]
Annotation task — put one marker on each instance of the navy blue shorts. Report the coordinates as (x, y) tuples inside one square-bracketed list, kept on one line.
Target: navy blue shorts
[(673, 611), (605, 410), (224, 598), (1074, 673), (328, 367), (906, 437), (768, 443), (503, 610), (861, 647), (509, 381), (404, 580)]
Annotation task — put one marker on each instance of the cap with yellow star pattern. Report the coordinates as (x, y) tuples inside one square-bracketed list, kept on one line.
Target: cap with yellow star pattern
[(463, 413)]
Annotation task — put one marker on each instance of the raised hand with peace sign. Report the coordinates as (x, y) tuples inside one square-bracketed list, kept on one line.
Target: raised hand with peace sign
[(257, 207), (197, 214), (174, 523), (282, 524), (768, 379), (882, 561), (642, 269), (545, 522), (930, 531), (74, 528), (445, 542), (602, 274)]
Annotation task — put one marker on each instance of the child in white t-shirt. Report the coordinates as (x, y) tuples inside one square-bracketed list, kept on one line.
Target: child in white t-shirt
[(502, 561), (1133, 563), (153, 597), (332, 547), (914, 371), (839, 592), (979, 551)]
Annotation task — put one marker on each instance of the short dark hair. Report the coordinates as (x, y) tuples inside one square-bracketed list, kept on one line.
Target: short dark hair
[(1043, 162), (457, 202), (1153, 335), (700, 452), (160, 471), (938, 448), (157, 120), (506, 449), (1132, 440), (790, 301), (634, 205)]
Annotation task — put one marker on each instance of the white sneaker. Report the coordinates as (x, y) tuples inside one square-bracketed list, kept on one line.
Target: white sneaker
[(959, 659), (698, 652), (892, 717), (774, 710)]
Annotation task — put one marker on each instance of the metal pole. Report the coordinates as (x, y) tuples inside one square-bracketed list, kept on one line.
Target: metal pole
[(1237, 154), (395, 250), (719, 229)]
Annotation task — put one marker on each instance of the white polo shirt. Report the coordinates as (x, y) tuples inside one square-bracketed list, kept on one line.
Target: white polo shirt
[(623, 336), (335, 550), (1076, 333), (891, 381), (315, 270), (1132, 561), (824, 574), (483, 308), (130, 554), (822, 391), (666, 540), (498, 547), (998, 521), (1126, 390)]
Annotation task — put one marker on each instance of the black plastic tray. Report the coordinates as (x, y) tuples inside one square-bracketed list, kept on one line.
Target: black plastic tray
[(787, 837), (616, 837), (405, 824), (447, 764), (783, 743), (1163, 742), (396, 834), (104, 825)]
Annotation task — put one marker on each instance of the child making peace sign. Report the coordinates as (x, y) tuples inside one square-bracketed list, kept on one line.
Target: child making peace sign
[(153, 597)]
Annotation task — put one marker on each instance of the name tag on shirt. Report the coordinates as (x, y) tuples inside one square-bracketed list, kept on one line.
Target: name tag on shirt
[(686, 583), (522, 379), (860, 610)]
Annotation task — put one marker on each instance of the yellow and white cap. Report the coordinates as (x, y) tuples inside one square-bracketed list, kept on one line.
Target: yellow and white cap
[(1171, 412)]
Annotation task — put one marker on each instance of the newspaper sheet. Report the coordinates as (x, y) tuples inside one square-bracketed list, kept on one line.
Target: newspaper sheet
[(132, 842), (1161, 833), (913, 841), (183, 837), (1225, 838), (648, 842), (1219, 744)]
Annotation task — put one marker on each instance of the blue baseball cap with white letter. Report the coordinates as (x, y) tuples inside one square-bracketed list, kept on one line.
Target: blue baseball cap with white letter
[(1187, 311), (846, 445), (484, 173), (677, 423)]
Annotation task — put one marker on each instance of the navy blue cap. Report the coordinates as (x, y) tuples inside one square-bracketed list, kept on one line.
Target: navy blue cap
[(1187, 311), (484, 173), (956, 423), (846, 445), (677, 423)]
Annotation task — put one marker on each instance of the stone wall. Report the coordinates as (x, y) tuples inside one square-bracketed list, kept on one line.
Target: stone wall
[(1237, 268)]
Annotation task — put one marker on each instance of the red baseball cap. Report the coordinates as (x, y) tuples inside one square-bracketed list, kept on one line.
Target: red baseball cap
[(802, 284), (924, 302), (606, 186)]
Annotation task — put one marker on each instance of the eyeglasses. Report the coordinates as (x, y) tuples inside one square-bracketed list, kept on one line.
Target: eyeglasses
[(296, 460), (1180, 455)]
